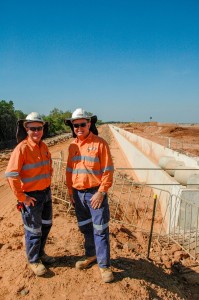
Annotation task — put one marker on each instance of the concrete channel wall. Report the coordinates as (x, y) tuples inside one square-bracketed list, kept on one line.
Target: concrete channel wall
[(143, 156)]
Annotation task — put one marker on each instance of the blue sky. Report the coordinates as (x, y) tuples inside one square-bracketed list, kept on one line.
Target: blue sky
[(121, 60)]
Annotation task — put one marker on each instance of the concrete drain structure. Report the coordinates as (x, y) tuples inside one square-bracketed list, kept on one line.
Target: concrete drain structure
[(174, 177)]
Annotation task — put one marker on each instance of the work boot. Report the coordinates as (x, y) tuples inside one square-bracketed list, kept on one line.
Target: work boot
[(47, 259), (85, 262), (38, 268), (107, 274)]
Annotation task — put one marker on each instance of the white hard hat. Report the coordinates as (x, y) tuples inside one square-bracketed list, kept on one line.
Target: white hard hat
[(79, 113), (34, 117)]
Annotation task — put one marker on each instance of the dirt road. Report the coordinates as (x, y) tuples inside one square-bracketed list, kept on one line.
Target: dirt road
[(135, 276)]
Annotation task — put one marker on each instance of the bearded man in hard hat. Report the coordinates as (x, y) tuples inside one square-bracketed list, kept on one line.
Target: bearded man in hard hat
[(29, 174), (89, 175)]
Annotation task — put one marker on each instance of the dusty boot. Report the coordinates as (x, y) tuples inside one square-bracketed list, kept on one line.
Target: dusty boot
[(47, 259), (85, 262), (107, 274), (38, 268)]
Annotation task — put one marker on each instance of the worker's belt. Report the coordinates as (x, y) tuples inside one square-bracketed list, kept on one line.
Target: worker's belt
[(89, 189), (46, 190)]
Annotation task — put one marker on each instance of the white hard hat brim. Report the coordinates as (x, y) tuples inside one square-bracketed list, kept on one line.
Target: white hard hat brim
[(31, 121), (79, 118)]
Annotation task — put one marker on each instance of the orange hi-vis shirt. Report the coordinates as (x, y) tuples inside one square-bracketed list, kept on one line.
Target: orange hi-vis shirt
[(29, 168), (89, 164)]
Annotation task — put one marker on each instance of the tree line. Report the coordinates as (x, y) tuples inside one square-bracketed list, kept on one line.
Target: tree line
[(9, 117)]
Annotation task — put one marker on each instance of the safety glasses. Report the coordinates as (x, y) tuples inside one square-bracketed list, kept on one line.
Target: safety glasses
[(39, 128), (77, 125)]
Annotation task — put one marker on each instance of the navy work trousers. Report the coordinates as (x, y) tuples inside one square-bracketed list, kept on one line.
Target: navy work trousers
[(94, 224), (37, 221)]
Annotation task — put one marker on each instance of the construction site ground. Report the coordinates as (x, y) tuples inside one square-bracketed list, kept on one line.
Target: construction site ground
[(169, 274)]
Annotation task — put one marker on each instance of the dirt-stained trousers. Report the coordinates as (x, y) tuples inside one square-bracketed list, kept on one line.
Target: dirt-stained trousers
[(94, 224), (37, 221)]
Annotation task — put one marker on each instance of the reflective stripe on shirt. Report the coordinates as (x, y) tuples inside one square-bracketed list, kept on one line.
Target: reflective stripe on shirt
[(85, 171), (35, 165), (111, 168), (38, 177), (85, 158), (11, 174)]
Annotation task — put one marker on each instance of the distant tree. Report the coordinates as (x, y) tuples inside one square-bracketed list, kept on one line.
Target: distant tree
[(20, 115), (56, 120), (9, 117), (7, 120), (99, 122), (6, 107)]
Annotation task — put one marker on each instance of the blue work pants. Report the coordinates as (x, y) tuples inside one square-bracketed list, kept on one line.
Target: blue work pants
[(37, 221), (94, 224)]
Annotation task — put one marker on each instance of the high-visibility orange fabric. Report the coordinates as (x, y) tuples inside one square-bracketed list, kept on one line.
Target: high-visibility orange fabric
[(89, 164), (29, 168)]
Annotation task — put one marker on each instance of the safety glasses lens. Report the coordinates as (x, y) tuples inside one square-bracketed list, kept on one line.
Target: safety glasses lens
[(39, 128), (79, 125)]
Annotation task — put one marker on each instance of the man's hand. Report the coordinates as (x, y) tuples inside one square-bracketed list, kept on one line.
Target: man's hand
[(96, 200), (29, 201)]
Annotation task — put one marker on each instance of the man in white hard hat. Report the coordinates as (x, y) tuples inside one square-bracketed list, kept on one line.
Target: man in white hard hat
[(89, 175), (29, 174)]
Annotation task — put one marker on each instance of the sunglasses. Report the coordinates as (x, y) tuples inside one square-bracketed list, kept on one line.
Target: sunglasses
[(39, 128), (79, 125)]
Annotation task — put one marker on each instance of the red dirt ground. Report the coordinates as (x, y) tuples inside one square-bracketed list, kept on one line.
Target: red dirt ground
[(180, 137), (171, 274)]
